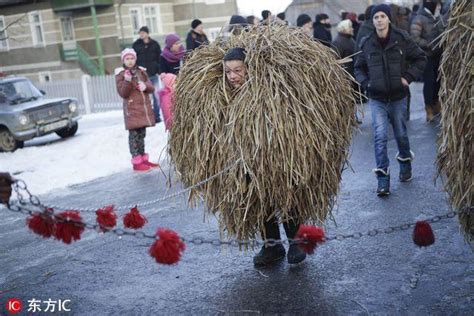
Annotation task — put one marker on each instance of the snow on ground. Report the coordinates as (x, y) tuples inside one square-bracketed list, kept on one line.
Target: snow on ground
[(100, 148)]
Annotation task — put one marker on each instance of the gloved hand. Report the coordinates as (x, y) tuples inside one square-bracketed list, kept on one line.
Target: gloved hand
[(141, 86), (127, 75)]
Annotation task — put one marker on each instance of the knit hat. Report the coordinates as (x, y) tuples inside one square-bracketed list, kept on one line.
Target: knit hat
[(195, 23), (168, 79), (302, 20), (236, 53), (321, 16), (237, 19), (126, 52), (265, 14), (344, 25), (171, 39), (382, 7), (144, 29)]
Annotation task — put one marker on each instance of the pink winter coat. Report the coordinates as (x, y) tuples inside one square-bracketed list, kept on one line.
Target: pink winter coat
[(166, 96), (137, 108)]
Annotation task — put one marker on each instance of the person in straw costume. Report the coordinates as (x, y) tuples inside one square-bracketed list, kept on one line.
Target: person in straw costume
[(250, 105)]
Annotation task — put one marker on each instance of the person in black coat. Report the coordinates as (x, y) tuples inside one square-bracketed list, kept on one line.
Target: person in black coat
[(366, 28), (344, 44), (148, 56), (388, 62), (196, 37), (322, 29)]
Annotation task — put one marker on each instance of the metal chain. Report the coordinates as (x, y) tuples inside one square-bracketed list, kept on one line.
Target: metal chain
[(242, 243), (20, 185)]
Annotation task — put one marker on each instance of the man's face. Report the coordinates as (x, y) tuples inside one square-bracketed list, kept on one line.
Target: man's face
[(380, 21), (143, 35), (235, 72), (129, 61), (308, 27), (199, 29)]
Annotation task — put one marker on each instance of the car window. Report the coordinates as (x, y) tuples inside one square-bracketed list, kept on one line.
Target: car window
[(16, 92)]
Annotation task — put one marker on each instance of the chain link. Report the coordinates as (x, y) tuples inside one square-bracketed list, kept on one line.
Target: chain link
[(20, 185)]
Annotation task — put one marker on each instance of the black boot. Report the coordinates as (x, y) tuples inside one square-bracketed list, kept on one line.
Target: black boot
[(295, 254), (405, 167), (269, 255), (383, 182)]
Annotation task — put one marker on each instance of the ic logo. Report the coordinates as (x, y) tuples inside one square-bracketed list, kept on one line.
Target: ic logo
[(14, 306)]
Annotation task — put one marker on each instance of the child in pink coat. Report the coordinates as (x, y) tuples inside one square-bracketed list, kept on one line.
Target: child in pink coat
[(166, 96)]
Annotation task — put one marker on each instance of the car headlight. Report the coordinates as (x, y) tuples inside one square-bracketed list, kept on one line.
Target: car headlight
[(23, 119), (73, 106)]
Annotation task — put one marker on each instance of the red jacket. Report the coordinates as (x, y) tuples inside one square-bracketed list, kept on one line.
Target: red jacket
[(137, 108)]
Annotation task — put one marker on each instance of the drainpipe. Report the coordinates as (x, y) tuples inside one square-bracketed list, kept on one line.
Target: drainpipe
[(122, 34), (98, 46)]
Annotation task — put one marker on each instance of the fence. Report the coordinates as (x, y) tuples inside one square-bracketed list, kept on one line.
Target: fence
[(95, 94)]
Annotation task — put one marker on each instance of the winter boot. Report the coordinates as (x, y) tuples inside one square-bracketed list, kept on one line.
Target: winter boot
[(383, 179), (139, 165), (269, 255), (295, 254), (405, 167), (151, 164), (429, 113)]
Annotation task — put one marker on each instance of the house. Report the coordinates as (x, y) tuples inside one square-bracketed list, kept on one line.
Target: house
[(52, 40)]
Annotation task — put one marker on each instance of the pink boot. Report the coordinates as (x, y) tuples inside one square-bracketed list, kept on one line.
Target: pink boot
[(139, 165), (151, 164)]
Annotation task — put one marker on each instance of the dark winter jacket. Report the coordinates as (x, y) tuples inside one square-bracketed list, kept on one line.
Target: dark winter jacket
[(365, 29), (169, 67), (194, 40), (424, 30), (322, 34), (345, 46), (148, 55), (137, 108), (380, 70)]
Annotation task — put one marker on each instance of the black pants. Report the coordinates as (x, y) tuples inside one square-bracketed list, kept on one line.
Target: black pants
[(430, 79), (272, 229), (136, 141)]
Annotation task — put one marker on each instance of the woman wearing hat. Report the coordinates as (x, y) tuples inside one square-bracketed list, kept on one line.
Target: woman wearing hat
[(172, 55), (196, 37)]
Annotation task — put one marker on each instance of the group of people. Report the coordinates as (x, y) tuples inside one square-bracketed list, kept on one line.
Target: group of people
[(386, 60)]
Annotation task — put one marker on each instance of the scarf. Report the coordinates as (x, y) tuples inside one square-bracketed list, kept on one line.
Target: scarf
[(173, 57)]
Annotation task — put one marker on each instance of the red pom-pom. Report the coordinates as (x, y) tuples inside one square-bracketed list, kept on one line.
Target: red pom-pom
[(309, 237), (134, 219), (106, 217), (42, 223), (167, 249), (423, 234), (69, 226)]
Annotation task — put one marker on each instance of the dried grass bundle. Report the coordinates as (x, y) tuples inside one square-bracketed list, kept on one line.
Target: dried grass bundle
[(290, 125), (456, 151)]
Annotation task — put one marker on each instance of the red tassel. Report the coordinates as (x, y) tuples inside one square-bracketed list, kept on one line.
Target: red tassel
[(134, 219), (106, 217), (42, 223), (69, 226), (423, 234), (310, 237), (168, 248)]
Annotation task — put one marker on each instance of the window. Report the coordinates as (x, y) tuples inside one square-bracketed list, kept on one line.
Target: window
[(151, 19), (44, 76), (67, 28), (3, 34), (36, 29), (135, 15)]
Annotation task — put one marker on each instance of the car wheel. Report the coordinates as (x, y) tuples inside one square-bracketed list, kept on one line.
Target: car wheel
[(8, 143), (68, 131)]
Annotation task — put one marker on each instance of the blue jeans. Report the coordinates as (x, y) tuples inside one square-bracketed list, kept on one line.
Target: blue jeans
[(156, 102), (382, 114)]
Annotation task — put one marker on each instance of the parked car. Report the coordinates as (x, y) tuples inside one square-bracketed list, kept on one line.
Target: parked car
[(25, 113)]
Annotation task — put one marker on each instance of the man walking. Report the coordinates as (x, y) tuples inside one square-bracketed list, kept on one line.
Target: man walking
[(148, 56), (388, 62)]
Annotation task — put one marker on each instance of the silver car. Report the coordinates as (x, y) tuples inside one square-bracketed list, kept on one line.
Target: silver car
[(25, 113)]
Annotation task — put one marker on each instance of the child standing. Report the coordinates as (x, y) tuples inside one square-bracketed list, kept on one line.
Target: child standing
[(134, 87), (166, 96)]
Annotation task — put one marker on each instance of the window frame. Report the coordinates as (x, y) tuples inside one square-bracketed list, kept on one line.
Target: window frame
[(33, 25), (158, 29), (73, 34), (140, 18), (43, 74)]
